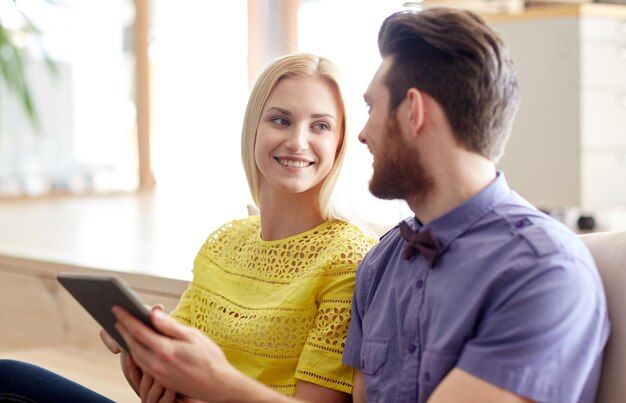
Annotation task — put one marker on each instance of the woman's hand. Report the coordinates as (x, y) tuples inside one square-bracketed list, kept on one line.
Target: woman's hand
[(131, 371), (180, 359), (152, 391), (183, 359), (133, 374), (110, 342)]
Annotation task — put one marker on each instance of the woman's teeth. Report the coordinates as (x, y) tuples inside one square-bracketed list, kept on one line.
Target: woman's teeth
[(294, 164)]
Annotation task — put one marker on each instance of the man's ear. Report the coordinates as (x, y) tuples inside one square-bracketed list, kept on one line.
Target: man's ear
[(416, 110)]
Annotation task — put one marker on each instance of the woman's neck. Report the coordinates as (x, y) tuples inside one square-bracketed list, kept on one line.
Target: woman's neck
[(286, 215)]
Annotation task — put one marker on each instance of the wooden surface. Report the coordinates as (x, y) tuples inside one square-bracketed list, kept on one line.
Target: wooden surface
[(133, 237), (149, 242), (42, 324), (563, 10), (139, 233), (38, 312)]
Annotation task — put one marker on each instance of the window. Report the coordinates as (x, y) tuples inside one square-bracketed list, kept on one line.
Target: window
[(198, 58), (198, 54), (86, 139)]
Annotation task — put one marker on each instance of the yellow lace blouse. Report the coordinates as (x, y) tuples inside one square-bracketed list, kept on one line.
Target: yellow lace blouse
[(279, 309)]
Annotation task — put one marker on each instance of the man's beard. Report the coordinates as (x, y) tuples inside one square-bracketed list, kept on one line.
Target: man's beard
[(398, 169)]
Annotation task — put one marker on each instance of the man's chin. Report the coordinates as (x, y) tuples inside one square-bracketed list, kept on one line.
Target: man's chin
[(383, 192)]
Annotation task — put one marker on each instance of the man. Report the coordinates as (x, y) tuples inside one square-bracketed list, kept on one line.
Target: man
[(480, 297)]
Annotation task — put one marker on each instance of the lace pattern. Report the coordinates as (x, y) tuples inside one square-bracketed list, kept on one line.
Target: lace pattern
[(278, 309), (281, 262)]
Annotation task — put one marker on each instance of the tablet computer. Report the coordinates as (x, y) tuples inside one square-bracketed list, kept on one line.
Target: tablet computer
[(98, 293)]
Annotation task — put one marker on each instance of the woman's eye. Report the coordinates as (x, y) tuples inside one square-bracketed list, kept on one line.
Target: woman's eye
[(280, 121), (321, 126)]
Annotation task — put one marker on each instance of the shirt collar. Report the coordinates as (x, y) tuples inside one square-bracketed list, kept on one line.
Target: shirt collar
[(455, 222)]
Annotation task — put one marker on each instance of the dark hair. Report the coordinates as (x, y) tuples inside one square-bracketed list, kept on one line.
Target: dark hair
[(453, 56)]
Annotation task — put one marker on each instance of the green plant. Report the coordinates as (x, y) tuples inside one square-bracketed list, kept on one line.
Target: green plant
[(12, 68)]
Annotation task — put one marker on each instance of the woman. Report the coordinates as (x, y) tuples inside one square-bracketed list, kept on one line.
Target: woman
[(273, 291)]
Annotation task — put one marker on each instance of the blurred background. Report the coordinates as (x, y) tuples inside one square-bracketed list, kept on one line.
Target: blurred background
[(119, 96), (129, 95)]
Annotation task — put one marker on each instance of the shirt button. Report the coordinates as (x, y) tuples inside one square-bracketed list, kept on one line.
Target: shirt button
[(412, 348), (426, 376), (419, 284)]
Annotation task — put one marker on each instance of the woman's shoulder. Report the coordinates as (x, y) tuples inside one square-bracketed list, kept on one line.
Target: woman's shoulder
[(236, 229), (345, 238), (347, 231)]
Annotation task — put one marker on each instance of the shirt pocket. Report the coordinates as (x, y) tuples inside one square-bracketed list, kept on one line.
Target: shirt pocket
[(434, 367), (373, 357)]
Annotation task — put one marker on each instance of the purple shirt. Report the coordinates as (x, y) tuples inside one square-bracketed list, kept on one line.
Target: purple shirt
[(514, 299)]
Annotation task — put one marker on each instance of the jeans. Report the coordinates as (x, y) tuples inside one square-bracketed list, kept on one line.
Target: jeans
[(27, 383)]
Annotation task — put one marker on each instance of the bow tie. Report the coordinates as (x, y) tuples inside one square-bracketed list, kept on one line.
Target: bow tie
[(423, 242)]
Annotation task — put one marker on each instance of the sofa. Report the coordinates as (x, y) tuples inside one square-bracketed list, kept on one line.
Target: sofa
[(609, 252)]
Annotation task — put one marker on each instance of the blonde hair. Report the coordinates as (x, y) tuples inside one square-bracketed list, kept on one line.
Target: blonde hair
[(294, 65)]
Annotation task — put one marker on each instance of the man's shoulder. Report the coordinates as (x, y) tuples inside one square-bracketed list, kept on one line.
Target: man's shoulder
[(516, 223), (519, 239), (536, 232)]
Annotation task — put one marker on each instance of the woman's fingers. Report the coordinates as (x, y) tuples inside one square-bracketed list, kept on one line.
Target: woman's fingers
[(144, 388), (158, 394), (168, 326), (134, 330), (109, 342), (180, 358), (169, 396), (134, 372), (162, 322), (140, 354), (159, 307)]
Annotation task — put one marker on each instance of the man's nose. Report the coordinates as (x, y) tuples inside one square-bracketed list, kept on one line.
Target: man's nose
[(362, 136)]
